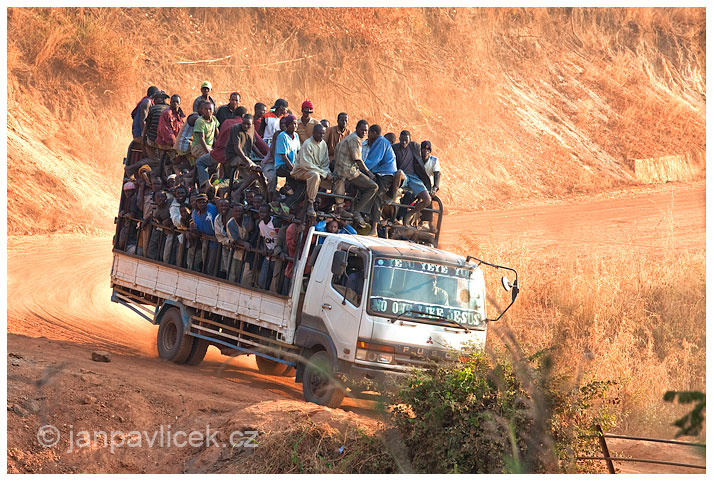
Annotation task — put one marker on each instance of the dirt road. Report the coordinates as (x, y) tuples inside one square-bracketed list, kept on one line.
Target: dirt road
[(59, 311)]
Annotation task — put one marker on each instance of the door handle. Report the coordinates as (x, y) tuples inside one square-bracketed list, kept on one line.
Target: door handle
[(327, 306), (402, 323)]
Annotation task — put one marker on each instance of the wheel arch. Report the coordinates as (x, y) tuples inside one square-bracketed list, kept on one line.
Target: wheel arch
[(186, 312)]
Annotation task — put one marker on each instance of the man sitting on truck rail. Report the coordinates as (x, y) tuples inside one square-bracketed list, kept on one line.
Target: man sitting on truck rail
[(433, 170), (409, 161), (313, 167), (379, 158), (228, 111), (286, 151), (349, 167)]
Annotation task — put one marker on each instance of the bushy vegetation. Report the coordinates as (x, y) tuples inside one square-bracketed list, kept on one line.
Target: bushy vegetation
[(495, 414)]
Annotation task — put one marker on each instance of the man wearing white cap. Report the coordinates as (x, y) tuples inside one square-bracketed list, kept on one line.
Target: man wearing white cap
[(205, 90)]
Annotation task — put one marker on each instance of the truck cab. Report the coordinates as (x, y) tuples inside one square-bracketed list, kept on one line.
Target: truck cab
[(385, 306)]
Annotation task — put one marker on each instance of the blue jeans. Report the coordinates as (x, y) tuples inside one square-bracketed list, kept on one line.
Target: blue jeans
[(203, 163)]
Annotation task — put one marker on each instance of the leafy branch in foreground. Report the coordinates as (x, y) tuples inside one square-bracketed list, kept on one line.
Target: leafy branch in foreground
[(691, 424)]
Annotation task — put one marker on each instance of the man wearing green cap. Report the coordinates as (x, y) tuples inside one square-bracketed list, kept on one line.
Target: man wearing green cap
[(205, 90)]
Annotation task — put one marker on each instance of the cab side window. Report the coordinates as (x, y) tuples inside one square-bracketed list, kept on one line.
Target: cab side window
[(351, 283)]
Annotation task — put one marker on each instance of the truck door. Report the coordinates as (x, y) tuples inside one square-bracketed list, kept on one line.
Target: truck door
[(338, 300)]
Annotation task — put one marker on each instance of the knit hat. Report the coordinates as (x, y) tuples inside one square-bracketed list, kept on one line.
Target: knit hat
[(307, 105)]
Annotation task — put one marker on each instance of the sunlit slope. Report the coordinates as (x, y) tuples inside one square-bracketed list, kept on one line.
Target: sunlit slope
[(518, 103)]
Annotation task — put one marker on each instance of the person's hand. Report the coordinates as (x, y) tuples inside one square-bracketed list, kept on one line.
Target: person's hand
[(434, 190)]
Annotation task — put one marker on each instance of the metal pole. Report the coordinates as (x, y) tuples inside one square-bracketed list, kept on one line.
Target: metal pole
[(605, 451)]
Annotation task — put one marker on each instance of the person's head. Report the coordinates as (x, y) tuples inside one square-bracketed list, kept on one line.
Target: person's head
[(307, 109), (325, 123), (129, 189), (191, 119), (374, 132), (249, 195), (404, 138), (160, 97), (264, 212), (238, 211), (332, 226), (156, 184), (281, 106), (206, 88), (391, 138), (171, 181), (257, 201), (290, 124), (361, 129), (151, 91), (434, 280), (247, 122), (259, 110), (201, 203), (283, 123), (425, 149), (192, 200), (161, 198), (318, 132), (233, 100), (342, 120), (241, 111), (207, 110), (181, 193), (175, 102), (223, 206)]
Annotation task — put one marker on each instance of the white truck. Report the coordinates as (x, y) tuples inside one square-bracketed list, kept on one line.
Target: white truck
[(360, 308)]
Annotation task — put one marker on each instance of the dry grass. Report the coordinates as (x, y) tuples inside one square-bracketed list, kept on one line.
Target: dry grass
[(506, 95), (625, 314)]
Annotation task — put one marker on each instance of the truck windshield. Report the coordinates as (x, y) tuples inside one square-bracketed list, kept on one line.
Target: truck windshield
[(427, 292)]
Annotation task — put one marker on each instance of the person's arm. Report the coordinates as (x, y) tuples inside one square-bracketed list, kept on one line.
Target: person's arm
[(437, 179), (220, 231), (175, 214), (356, 154), (199, 134), (282, 148)]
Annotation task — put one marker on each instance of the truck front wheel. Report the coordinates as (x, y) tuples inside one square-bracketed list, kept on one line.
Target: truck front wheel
[(319, 385), (171, 342)]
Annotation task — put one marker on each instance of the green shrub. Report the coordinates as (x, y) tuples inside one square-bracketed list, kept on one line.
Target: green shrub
[(495, 415)]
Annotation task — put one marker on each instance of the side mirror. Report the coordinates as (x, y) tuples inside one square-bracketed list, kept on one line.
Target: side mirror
[(506, 283), (339, 263), (508, 286)]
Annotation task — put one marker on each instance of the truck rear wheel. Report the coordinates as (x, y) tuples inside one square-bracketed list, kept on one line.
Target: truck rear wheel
[(198, 352), (270, 367), (319, 385), (171, 341)]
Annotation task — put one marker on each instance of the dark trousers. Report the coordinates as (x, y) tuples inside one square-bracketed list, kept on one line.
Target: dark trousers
[(298, 186)]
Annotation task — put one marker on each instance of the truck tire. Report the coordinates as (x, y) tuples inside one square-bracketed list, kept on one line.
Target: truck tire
[(319, 386), (171, 341), (270, 367), (198, 352)]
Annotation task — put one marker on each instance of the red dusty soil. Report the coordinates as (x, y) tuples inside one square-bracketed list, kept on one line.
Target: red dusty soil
[(59, 312)]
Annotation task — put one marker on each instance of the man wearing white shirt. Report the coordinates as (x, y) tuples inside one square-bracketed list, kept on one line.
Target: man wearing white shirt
[(313, 166)]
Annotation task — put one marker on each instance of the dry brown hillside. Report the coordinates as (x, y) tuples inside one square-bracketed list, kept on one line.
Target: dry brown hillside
[(518, 102)]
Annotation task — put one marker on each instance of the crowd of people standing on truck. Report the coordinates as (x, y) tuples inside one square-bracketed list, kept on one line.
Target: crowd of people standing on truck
[(228, 193)]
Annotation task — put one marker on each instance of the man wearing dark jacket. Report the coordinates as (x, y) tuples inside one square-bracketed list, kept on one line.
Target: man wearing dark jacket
[(409, 161)]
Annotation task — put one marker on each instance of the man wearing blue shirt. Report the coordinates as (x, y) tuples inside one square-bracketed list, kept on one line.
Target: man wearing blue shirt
[(203, 217), (287, 146), (379, 158)]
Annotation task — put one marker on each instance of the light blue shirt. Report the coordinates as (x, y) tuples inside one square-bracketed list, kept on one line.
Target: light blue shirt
[(380, 158), (285, 145)]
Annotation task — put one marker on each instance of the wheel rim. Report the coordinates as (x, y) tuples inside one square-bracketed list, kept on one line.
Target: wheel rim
[(319, 382), (170, 336)]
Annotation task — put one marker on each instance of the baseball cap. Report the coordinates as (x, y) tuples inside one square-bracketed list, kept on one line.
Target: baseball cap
[(206, 83)]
